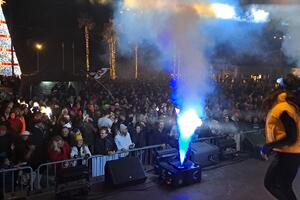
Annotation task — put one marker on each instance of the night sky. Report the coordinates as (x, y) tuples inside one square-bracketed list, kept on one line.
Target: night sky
[(53, 22)]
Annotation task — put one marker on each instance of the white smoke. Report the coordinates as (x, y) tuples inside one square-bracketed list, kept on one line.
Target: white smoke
[(287, 15), (169, 31)]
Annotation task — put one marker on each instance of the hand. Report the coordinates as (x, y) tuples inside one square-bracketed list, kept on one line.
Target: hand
[(111, 152), (265, 152), (131, 146), (6, 162), (12, 147)]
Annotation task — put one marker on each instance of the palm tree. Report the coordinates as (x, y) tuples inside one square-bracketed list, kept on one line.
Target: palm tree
[(87, 24), (109, 36)]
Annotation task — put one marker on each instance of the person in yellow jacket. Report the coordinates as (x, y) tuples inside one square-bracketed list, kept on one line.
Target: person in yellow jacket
[(283, 137)]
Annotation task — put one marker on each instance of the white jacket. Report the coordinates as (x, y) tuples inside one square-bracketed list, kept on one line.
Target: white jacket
[(84, 150)]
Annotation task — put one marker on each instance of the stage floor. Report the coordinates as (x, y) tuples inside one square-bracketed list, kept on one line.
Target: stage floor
[(241, 181)]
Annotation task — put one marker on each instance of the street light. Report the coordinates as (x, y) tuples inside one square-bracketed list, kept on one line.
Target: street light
[(39, 47)]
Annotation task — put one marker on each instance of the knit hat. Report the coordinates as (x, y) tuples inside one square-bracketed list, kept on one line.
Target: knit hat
[(123, 127), (78, 137)]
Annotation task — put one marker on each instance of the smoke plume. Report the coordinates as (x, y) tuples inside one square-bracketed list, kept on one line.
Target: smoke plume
[(287, 18)]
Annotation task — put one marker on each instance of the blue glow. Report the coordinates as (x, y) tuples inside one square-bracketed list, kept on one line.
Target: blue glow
[(187, 122)]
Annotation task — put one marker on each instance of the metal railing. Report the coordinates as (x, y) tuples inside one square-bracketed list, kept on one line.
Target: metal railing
[(145, 155), (238, 137), (47, 172), (16, 180)]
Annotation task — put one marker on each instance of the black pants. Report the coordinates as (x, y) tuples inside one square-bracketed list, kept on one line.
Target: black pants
[(281, 174)]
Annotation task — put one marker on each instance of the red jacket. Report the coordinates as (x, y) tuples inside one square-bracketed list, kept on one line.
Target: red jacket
[(59, 156), (16, 126)]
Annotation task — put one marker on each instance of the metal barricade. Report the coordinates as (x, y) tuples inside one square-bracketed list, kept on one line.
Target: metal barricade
[(238, 137), (97, 162), (47, 172), (16, 182)]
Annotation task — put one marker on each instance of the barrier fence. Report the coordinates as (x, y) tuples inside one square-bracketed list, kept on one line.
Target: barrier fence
[(16, 181), (95, 165)]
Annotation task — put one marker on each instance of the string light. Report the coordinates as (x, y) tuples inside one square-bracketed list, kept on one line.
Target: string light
[(111, 40), (113, 58), (8, 59), (87, 47)]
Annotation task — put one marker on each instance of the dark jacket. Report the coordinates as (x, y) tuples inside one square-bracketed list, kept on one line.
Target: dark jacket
[(139, 139), (103, 146)]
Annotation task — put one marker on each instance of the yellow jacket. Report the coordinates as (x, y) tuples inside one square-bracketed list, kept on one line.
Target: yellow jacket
[(275, 128)]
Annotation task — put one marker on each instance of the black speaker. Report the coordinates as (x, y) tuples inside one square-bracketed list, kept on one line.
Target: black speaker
[(124, 172), (253, 143)]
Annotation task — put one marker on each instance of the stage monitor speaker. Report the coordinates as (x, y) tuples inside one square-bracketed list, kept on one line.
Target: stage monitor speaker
[(253, 143), (204, 154), (124, 172)]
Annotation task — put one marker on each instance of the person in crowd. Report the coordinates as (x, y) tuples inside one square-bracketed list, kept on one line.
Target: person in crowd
[(120, 119), (283, 137), (6, 144), (24, 117), (23, 150), (104, 145), (80, 150), (138, 136), (88, 132), (159, 134), (106, 120), (15, 124), (123, 140), (66, 136), (70, 103), (6, 114), (39, 141), (58, 149)]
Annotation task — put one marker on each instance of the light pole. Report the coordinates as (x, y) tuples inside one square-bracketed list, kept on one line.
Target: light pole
[(38, 47)]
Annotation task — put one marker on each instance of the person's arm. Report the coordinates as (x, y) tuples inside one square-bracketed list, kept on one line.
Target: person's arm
[(30, 152), (87, 151), (55, 155), (118, 144), (74, 152)]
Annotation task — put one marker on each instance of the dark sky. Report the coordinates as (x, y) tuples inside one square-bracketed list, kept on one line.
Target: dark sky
[(53, 22)]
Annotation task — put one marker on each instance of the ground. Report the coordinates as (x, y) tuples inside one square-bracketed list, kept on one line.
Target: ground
[(241, 181)]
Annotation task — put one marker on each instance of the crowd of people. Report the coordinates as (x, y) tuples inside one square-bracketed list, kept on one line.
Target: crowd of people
[(126, 114)]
